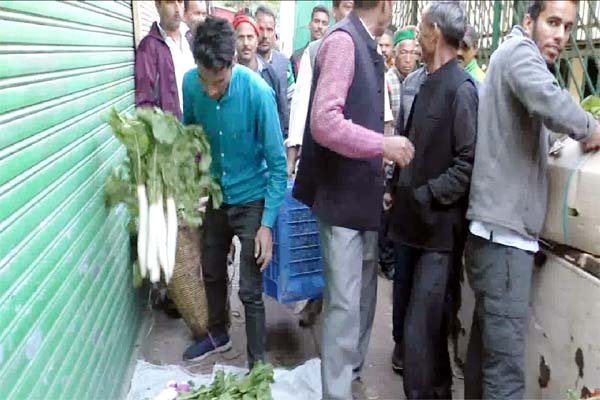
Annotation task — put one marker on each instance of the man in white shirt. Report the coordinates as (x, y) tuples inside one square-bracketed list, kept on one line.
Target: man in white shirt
[(162, 58), (301, 97), (183, 60)]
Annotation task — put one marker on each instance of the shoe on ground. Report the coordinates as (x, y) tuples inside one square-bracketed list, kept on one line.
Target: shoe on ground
[(206, 346), (398, 359)]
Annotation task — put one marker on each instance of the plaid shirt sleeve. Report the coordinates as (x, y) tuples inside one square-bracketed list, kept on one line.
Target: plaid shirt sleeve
[(394, 85)]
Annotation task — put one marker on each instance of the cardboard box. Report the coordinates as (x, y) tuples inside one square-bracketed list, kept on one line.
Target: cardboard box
[(573, 215)]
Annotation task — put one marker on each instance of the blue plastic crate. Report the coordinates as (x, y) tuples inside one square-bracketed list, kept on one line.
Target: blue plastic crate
[(296, 271)]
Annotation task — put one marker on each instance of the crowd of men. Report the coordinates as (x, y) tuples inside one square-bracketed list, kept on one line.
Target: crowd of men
[(458, 174)]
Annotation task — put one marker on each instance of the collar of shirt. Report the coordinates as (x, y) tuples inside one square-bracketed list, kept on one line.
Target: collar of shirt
[(270, 59), (182, 31), (260, 64), (472, 66), (398, 74), (231, 83), (367, 29)]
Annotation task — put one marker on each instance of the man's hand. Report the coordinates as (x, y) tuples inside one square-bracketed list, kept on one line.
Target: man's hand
[(387, 201), (593, 143), (291, 166), (292, 156), (263, 247), (398, 149)]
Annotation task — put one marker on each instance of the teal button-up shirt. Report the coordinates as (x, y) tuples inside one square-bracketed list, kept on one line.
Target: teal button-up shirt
[(243, 129)]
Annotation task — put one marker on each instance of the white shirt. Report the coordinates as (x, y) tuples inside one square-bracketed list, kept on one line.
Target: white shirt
[(300, 100), (183, 60), (503, 236)]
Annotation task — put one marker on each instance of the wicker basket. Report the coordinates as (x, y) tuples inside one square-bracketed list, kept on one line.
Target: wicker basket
[(186, 287)]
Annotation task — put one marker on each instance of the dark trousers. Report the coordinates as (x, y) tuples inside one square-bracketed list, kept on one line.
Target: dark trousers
[(403, 276), (386, 246), (219, 228), (501, 279), (424, 280)]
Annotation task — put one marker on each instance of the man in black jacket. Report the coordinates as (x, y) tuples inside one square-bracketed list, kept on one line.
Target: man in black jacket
[(247, 32), (430, 197)]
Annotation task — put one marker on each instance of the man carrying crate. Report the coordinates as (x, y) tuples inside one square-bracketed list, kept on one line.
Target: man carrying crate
[(340, 175)]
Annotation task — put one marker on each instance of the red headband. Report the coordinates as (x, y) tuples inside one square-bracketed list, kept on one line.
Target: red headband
[(244, 18)]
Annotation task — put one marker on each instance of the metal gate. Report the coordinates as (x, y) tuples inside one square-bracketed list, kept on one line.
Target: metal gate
[(577, 68)]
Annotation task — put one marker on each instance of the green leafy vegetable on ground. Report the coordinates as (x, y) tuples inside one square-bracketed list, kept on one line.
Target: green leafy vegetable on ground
[(254, 386)]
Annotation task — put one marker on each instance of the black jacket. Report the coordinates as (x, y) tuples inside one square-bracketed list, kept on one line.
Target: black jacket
[(295, 60), (342, 191), (430, 195), (270, 76)]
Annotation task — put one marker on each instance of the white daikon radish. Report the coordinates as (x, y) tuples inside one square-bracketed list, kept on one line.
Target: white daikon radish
[(161, 235), (152, 256), (142, 239)]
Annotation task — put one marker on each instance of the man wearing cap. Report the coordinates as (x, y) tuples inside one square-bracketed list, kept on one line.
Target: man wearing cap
[(406, 59), (467, 54), (247, 33)]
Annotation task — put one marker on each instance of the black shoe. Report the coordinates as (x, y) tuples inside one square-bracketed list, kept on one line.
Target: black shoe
[(172, 312), (398, 359), (387, 271)]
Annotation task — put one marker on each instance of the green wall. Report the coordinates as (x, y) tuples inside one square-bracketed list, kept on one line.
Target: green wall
[(69, 315)]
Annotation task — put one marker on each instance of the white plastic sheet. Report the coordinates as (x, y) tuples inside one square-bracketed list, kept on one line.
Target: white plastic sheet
[(301, 383)]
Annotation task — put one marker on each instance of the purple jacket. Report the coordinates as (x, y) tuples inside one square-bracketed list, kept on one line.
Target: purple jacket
[(155, 83)]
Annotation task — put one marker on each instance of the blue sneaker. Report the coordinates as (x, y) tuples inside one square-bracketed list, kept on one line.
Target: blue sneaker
[(207, 346)]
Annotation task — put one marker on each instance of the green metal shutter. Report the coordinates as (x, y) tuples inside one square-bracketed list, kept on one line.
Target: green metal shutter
[(68, 313), (144, 13)]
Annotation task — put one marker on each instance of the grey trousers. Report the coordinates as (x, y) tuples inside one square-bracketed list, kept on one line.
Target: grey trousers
[(350, 268), (501, 279)]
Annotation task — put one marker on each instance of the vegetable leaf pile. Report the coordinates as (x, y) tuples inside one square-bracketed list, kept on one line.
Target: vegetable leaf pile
[(168, 157), (254, 386), (592, 105)]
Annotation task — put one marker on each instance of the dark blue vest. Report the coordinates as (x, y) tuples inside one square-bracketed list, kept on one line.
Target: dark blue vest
[(343, 191)]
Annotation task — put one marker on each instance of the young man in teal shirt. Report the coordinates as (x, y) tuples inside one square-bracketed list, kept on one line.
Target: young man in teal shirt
[(238, 112)]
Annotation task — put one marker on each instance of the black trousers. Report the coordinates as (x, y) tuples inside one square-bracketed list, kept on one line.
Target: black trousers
[(387, 259), (219, 228), (422, 279)]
